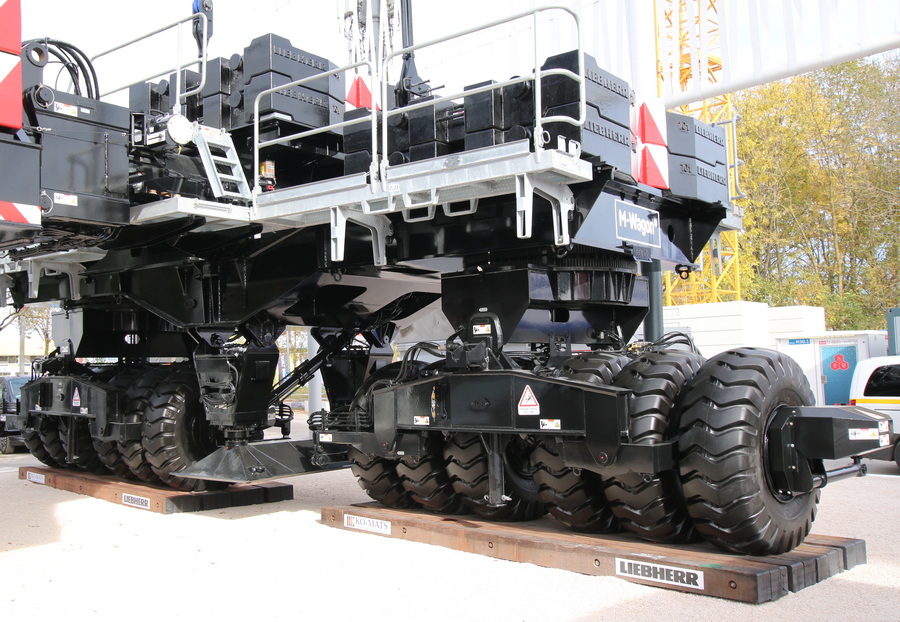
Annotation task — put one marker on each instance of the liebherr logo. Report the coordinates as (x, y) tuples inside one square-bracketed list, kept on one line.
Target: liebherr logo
[(135, 501), (637, 224), (660, 574)]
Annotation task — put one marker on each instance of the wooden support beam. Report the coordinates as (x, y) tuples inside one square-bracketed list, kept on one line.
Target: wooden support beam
[(156, 498), (694, 568)]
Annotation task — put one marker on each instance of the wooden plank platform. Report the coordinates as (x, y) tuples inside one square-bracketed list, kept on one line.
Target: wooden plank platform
[(156, 498), (696, 568)]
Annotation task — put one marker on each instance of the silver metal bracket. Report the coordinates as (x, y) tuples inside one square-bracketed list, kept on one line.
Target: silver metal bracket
[(379, 226), (562, 202)]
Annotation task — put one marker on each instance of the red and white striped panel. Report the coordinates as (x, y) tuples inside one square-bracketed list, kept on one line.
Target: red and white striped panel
[(10, 27), (10, 91), (10, 64), (20, 213)]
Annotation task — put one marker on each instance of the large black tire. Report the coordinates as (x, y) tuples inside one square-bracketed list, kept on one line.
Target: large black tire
[(51, 445), (597, 368), (573, 497), (32, 438), (379, 478), (137, 398), (427, 481), (176, 433), (84, 456), (108, 451), (726, 411), (467, 465), (576, 497), (653, 506)]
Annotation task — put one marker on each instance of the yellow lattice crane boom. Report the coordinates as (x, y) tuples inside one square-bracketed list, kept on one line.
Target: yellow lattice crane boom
[(688, 52)]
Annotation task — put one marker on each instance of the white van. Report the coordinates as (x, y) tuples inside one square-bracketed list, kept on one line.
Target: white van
[(876, 385)]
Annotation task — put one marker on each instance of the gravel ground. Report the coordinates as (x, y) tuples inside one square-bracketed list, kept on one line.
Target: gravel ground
[(65, 556)]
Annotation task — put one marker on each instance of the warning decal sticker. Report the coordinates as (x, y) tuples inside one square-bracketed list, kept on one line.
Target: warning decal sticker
[(863, 434), (528, 404)]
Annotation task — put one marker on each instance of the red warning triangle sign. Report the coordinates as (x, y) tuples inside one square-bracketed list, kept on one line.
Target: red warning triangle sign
[(652, 173), (650, 132), (528, 404), (359, 96)]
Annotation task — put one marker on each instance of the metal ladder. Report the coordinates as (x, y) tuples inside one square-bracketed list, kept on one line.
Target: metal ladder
[(223, 168)]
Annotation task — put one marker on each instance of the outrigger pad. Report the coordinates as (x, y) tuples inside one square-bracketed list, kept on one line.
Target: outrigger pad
[(261, 461)]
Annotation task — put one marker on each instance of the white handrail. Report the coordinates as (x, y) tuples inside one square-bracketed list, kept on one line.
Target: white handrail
[(257, 145), (378, 74), (536, 76), (179, 67)]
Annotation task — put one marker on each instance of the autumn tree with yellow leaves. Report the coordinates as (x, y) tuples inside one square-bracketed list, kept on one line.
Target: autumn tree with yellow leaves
[(822, 177)]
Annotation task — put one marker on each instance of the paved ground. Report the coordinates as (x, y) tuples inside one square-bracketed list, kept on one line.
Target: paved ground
[(62, 554)]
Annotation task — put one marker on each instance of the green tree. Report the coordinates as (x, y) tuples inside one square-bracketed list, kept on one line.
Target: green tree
[(822, 177), (36, 319)]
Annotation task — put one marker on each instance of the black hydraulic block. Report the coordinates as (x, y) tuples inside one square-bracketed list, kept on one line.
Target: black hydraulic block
[(518, 105), (428, 150), (601, 140), (304, 106), (398, 133), (489, 138), (428, 124), (398, 157), (188, 80), (222, 77), (358, 137), (273, 54), (484, 138), (217, 111), (610, 95), (691, 178), (484, 111), (151, 98), (691, 138), (357, 162)]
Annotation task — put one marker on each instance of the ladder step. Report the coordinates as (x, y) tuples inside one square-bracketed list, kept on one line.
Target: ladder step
[(225, 161), (225, 158)]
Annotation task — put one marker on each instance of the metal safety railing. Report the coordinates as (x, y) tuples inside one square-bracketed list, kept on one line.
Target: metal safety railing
[(258, 144), (540, 139), (376, 67), (179, 67)]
